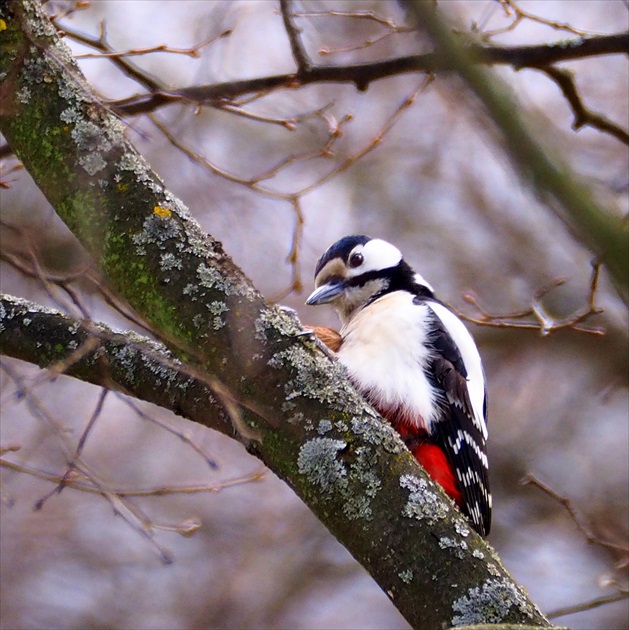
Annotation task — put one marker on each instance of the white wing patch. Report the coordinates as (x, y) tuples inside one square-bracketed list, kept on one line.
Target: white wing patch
[(471, 359)]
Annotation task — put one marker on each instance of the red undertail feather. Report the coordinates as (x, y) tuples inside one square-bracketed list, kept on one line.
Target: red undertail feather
[(432, 458)]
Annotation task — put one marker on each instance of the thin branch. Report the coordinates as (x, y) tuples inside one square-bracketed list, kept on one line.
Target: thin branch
[(287, 123), (536, 318), (364, 74), (360, 15), (591, 538), (531, 480), (131, 70), (34, 270), (511, 8), (293, 257), (76, 483), (101, 44), (161, 48), (595, 603), (128, 512), (294, 37), (375, 141), (184, 436), (63, 482), (391, 28), (582, 115)]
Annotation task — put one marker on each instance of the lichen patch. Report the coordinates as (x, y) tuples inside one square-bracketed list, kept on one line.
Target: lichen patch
[(318, 461), (422, 503), (490, 603)]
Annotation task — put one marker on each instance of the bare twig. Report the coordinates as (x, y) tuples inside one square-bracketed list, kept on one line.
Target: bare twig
[(34, 270), (184, 436), (293, 256), (79, 449), (615, 548), (205, 163), (360, 15), (77, 483), (535, 317), (364, 74), (287, 123), (391, 28), (582, 115), (79, 473), (373, 143), (512, 9), (161, 48), (595, 603), (131, 70), (100, 43), (294, 37), (122, 507), (5, 183), (531, 480)]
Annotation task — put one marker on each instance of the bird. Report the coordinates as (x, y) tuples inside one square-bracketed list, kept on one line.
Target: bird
[(414, 361)]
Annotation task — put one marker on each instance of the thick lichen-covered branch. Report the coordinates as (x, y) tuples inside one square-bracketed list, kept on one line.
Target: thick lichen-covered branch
[(125, 361), (301, 415)]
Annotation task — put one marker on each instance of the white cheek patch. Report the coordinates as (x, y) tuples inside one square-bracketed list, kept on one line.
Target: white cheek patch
[(378, 255)]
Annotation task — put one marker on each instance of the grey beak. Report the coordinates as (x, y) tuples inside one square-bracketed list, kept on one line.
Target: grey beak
[(326, 293)]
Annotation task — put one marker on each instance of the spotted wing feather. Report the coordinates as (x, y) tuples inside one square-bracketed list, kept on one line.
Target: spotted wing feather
[(456, 431)]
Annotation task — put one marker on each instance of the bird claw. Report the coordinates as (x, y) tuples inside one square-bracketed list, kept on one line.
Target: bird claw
[(311, 335)]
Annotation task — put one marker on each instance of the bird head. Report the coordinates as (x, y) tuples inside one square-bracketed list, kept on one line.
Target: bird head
[(357, 270)]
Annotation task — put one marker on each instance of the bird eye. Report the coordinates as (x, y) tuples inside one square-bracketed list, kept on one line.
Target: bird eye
[(356, 260)]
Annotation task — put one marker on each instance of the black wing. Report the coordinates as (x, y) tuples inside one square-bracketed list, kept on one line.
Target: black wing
[(457, 431)]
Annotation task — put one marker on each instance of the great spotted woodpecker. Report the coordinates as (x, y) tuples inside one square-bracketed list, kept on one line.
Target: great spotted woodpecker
[(414, 361)]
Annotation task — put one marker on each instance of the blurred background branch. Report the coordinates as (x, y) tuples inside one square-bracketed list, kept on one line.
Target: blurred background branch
[(552, 179)]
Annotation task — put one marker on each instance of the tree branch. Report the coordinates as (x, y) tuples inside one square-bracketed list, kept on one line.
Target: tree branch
[(536, 317), (582, 115), (131, 364), (590, 605), (549, 177), (308, 424), (130, 69), (294, 37), (363, 74)]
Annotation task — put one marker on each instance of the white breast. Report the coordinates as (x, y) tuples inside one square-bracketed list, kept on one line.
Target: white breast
[(384, 350)]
